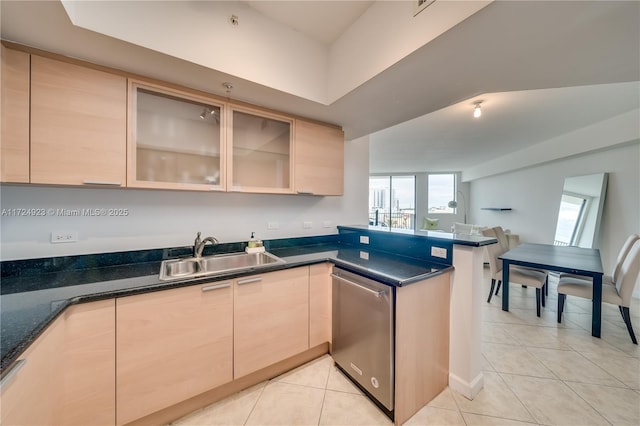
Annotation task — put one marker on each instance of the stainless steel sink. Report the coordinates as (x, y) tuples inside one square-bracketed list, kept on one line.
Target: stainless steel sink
[(195, 267)]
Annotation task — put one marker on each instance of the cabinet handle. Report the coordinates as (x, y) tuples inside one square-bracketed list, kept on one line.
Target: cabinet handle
[(377, 293), (305, 192), (215, 287), (249, 280), (101, 182), (12, 372)]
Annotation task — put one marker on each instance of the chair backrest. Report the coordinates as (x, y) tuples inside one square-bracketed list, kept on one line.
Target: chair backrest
[(502, 238), (624, 251), (493, 251), (628, 274)]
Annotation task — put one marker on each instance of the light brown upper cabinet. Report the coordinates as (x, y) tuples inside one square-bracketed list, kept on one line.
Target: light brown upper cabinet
[(319, 159), (78, 124), (260, 155), (14, 141), (175, 139)]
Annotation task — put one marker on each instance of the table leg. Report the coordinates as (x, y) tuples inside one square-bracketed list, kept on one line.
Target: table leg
[(596, 315), (505, 285)]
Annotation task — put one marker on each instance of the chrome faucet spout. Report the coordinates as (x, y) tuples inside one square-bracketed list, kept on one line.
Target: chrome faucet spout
[(198, 245)]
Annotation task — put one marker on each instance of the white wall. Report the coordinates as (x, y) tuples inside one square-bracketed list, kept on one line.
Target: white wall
[(534, 195), (264, 51), (171, 218)]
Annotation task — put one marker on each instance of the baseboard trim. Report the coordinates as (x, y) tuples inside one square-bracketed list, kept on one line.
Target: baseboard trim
[(174, 412), (467, 389)]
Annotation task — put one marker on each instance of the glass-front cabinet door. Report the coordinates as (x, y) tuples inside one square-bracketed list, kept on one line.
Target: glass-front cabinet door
[(260, 151), (175, 140)]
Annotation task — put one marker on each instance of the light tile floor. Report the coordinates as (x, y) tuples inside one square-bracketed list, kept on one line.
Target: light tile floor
[(536, 371)]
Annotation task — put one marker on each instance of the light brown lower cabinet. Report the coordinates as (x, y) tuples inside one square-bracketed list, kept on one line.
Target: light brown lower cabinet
[(172, 345), (320, 304), (422, 344), (89, 364), (30, 388), (67, 376), (271, 318)]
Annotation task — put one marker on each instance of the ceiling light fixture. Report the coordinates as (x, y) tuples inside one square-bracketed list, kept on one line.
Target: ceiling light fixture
[(477, 112), (207, 111)]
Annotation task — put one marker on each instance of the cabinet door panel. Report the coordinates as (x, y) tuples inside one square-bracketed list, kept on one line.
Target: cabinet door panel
[(14, 141), (171, 345), (422, 344), (319, 304), (319, 159), (31, 396), (260, 158), (89, 394), (175, 139), (271, 319), (78, 124)]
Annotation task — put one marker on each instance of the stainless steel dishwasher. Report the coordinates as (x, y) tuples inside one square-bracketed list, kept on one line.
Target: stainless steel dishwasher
[(363, 334)]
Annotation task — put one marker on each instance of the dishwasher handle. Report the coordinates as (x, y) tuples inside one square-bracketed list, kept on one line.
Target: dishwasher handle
[(377, 293)]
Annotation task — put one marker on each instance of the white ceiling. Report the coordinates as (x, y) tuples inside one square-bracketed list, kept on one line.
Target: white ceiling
[(323, 21), (542, 68), (451, 139)]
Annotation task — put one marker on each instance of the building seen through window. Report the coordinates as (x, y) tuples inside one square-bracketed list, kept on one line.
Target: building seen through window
[(392, 201)]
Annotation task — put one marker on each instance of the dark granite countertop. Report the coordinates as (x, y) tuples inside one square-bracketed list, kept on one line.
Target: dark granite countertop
[(459, 239), (30, 302)]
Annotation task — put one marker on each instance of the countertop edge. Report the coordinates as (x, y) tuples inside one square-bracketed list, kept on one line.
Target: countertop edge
[(13, 354)]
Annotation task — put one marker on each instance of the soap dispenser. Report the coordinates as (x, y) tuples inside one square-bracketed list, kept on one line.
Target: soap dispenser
[(254, 245), (253, 242)]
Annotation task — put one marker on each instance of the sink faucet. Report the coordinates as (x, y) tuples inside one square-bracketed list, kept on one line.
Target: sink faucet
[(198, 244)]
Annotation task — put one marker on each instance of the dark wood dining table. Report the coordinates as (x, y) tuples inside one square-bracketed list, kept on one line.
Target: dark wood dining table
[(574, 260)]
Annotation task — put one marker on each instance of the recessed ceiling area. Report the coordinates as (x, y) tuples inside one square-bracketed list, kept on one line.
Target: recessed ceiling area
[(512, 54), (269, 44), (451, 139), (324, 21)]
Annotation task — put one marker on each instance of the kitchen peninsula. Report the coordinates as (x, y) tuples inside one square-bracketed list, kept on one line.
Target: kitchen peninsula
[(38, 294)]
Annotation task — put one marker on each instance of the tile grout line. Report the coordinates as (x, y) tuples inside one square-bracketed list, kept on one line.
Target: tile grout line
[(255, 403), (519, 400)]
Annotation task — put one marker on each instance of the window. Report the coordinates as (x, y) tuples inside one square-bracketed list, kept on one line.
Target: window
[(441, 190), (392, 201)]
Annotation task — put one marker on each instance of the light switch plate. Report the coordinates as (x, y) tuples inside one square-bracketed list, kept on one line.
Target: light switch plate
[(439, 252), (64, 237), (273, 225)]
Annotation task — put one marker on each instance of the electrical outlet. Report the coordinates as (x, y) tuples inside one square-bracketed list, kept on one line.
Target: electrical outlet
[(364, 239), (364, 255), (439, 252), (307, 225), (326, 224), (273, 225), (64, 237)]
